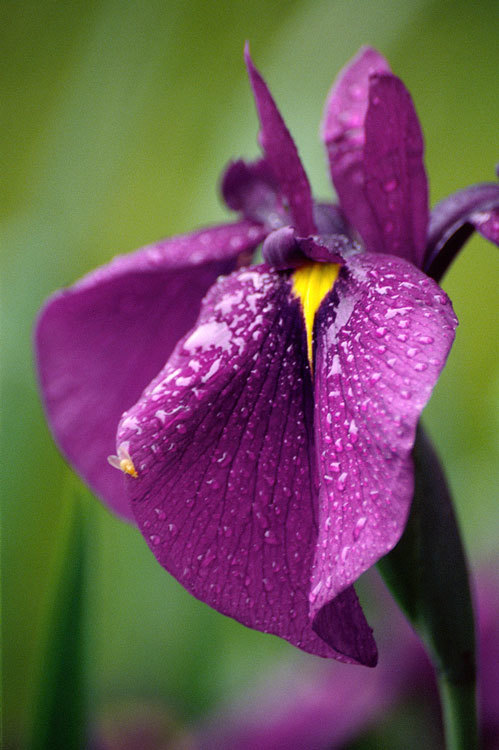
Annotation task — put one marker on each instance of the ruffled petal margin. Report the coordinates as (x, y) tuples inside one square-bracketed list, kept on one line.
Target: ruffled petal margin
[(101, 341)]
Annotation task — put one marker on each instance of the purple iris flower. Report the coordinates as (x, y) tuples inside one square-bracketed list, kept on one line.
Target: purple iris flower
[(268, 464)]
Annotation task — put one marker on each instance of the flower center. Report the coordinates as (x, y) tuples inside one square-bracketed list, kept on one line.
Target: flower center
[(311, 283)]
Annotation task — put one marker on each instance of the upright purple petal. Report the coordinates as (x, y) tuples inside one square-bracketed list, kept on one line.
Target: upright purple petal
[(223, 445), (382, 337), (100, 342), (453, 221), (281, 154), (342, 132), (395, 179)]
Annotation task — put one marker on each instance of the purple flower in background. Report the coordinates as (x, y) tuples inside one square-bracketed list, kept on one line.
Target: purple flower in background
[(268, 464), (325, 706)]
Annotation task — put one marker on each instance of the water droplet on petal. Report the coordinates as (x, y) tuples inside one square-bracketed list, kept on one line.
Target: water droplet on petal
[(359, 527), (390, 185)]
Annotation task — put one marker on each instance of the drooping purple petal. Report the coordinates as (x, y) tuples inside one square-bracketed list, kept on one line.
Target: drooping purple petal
[(252, 189), (281, 154), (382, 337), (342, 132), (223, 444), (453, 221), (395, 179), (100, 342)]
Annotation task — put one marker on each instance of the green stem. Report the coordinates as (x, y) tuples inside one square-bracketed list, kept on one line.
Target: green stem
[(459, 714)]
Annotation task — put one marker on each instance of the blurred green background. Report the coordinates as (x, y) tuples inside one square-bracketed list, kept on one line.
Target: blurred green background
[(117, 120)]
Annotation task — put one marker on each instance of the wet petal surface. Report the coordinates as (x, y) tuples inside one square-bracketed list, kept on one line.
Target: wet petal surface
[(395, 179), (101, 341), (223, 444), (382, 338), (342, 132)]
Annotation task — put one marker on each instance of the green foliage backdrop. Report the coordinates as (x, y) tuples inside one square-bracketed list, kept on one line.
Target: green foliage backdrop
[(117, 119)]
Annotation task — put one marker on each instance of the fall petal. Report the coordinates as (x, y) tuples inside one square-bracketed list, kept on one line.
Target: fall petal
[(382, 337), (101, 341), (223, 445)]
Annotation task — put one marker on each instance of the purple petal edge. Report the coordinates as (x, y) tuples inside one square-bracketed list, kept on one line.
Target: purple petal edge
[(383, 335), (101, 341), (281, 153), (395, 179), (342, 131), (453, 221)]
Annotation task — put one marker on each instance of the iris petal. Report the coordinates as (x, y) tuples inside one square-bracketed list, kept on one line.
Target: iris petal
[(395, 179), (101, 341), (453, 221), (342, 131), (282, 154), (382, 337), (223, 443)]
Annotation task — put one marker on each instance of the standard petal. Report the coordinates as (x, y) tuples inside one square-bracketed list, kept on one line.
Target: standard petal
[(100, 342), (281, 154), (382, 337), (453, 221), (342, 132), (223, 444), (395, 180)]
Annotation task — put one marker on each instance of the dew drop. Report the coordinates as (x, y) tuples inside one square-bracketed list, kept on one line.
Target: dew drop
[(420, 366), (390, 185), (359, 527)]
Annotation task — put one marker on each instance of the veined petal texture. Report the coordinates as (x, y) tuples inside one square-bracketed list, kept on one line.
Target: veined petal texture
[(382, 337), (223, 444)]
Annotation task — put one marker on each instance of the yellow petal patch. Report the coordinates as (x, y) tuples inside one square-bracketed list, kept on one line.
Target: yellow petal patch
[(311, 283)]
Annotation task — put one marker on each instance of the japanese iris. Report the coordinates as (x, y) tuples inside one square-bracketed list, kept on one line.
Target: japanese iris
[(268, 464)]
